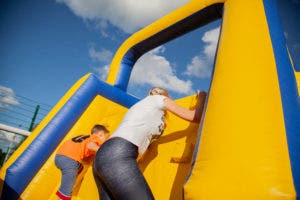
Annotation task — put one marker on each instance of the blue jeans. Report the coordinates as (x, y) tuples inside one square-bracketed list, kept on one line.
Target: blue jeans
[(69, 169), (117, 173)]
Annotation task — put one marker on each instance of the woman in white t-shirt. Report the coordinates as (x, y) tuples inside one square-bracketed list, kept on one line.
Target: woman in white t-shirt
[(115, 168)]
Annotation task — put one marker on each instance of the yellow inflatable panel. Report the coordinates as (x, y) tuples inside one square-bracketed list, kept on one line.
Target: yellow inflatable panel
[(297, 75), (171, 154), (243, 152), (42, 125), (47, 180), (166, 164)]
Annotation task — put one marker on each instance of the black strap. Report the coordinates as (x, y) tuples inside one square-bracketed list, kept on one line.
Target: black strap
[(80, 138)]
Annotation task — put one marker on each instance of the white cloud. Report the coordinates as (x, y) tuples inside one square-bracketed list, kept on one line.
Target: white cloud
[(100, 57), (128, 15), (201, 66), (198, 68), (101, 71), (7, 97), (211, 40), (154, 69), (102, 25), (103, 55)]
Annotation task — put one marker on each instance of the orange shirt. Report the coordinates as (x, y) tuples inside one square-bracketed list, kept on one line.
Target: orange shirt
[(78, 150)]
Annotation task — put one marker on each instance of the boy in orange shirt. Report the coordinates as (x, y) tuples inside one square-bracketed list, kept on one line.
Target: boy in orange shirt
[(71, 153)]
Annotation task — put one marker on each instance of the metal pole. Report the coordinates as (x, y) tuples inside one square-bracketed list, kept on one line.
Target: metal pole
[(34, 117)]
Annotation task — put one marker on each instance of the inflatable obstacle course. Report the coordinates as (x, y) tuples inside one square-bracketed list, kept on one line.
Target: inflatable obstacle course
[(247, 145)]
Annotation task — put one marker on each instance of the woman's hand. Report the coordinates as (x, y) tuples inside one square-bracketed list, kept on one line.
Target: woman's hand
[(201, 95), (190, 115)]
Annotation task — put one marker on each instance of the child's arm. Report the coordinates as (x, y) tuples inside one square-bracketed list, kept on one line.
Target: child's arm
[(92, 146)]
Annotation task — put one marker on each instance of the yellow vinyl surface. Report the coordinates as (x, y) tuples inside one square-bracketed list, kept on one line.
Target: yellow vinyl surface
[(171, 154), (243, 152)]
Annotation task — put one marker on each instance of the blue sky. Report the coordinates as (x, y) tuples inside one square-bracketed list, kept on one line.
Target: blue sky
[(46, 46)]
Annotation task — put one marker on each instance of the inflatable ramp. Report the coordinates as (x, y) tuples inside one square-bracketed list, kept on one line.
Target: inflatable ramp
[(89, 102)]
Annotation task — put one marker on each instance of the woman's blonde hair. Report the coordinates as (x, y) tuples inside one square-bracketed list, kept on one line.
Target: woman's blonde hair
[(158, 91)]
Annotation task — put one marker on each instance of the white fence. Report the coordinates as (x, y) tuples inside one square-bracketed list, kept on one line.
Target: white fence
[(10, 140)]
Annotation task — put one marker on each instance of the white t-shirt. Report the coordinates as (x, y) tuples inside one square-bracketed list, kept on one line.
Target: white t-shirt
[(142, 122)]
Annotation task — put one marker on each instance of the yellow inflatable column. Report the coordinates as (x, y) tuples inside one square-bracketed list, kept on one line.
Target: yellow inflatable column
[(243, 153)]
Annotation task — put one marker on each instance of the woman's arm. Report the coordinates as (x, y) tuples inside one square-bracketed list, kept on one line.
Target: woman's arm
[(92, 146), (190, 115)]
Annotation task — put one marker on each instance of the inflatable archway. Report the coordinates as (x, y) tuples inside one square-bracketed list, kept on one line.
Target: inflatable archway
[(248, 143)]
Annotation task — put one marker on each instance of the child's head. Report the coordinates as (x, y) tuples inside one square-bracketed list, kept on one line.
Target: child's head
[(100, 130)]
